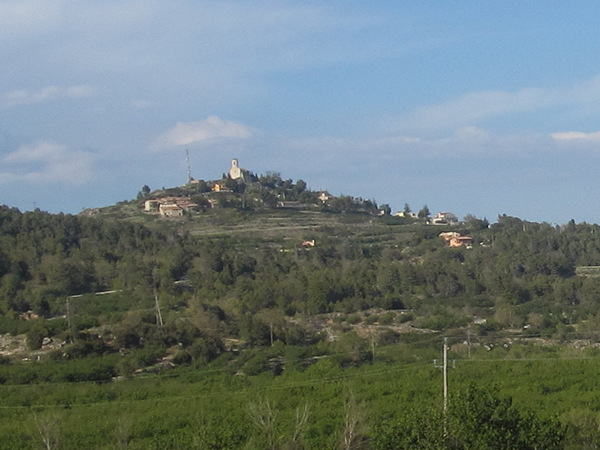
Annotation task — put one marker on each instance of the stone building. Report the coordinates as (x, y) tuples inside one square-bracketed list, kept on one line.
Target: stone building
[(236, 172)]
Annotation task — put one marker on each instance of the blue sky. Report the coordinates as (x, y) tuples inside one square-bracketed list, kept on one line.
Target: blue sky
[(471, 107)]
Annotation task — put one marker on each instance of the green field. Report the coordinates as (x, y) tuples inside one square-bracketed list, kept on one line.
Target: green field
[(217, 408)]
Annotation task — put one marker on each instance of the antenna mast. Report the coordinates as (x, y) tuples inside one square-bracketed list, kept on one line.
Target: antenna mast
[(189, 168)]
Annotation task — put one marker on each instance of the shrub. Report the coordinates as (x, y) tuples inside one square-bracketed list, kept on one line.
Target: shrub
[(371, 320), (354, 319), (35, 336), (403, 318), (182, 357), (387, 318)]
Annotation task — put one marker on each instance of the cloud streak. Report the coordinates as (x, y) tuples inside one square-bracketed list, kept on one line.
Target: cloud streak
[(576, 136), (473, 108), (211, 129), (47, 162), (45, 94)]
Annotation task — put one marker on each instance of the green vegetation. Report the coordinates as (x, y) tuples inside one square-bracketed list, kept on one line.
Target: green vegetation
[(278, 320), (394, 402)]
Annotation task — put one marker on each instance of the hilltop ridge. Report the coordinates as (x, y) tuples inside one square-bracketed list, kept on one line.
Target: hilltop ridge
[(242, 202)]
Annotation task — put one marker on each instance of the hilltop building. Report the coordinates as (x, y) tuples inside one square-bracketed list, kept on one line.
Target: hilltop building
[(407, 214), (444, 218), (454, 239), (236, 172), (324, 196), (169, 206)]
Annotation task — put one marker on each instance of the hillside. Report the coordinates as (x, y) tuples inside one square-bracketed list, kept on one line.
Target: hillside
[(251, 284)]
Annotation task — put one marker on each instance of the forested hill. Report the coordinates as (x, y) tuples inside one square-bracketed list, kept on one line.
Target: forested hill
[(515, 273), (241, 296)]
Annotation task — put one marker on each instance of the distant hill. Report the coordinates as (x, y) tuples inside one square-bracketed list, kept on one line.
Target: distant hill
[(268, 205)]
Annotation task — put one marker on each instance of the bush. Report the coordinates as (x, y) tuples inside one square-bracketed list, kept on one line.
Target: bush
[(35, 336), (354, 319), (387, 318), (206, 349), (371, 320), (182, 357), (85, 322), (390, 302), (85, 346), (149, 356), (403, 318)]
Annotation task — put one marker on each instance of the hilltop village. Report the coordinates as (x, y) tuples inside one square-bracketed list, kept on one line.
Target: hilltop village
[(240, 188), (237, 184)]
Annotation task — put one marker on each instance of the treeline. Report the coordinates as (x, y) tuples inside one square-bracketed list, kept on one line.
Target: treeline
[(44, 256), (517, 273)]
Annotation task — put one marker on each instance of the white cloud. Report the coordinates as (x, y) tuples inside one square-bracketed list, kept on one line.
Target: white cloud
[(465, 143), (47, 93), (576, 135), (475, 107), (42, 151), (205, 42), (211, 129), (47, 162)]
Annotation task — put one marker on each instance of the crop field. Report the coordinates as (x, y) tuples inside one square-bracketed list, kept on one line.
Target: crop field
[(217, 408)]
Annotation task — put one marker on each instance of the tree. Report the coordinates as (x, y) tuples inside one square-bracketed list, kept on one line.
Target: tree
[(352, 349), (476, 419), (268, 199), (385, 209), (35, 336), (475, 224), (424, 212), (354, 430), (481, 419), (48, 427), (264, 418), (299, 187), (271, 436), (144, 192)]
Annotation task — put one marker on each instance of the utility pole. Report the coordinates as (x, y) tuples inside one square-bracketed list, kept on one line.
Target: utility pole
[(444, 368), (372, 345), (469, 343), (159, 318), (69, 316), (158, 314)]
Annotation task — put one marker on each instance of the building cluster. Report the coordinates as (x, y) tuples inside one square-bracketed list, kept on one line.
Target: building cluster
[(170, 206), (177, 206), (444, 218), (407, 214), (441, 218), (454, 239)]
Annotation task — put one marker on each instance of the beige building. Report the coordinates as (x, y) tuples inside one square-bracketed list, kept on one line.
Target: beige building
[(235, 172), (170, 210)]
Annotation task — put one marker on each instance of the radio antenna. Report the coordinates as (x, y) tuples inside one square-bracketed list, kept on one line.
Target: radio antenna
[(189, 168)]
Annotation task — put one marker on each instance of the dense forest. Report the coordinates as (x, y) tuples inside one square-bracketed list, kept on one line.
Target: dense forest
[(100, 298), (518, 273)]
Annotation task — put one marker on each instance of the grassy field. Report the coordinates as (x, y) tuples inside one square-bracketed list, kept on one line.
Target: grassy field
[(214, 407)]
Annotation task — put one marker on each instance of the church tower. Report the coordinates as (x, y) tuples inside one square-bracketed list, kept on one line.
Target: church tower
[(235, 172)]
